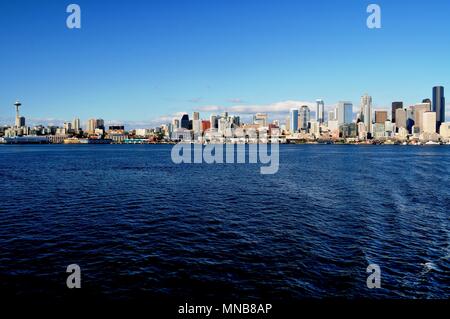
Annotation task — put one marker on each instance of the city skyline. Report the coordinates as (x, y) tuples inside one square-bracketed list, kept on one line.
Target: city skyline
[(225, 63)]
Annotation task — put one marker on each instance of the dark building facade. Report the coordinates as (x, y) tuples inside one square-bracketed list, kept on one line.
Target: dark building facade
[(395, 106), (184, 122), (439, 105)]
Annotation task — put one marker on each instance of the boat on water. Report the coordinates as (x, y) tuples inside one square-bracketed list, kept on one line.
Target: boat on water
[(432, 143)]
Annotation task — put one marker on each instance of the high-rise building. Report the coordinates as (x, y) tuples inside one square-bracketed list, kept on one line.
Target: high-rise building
[(213, 121), (100, 124), (427, 101), (67, 126), (331, 115), (320, 111), (196, 123), (418, 111), (76, 125), (366, 111), (381, 117), (206, 125), (91, 125), (260, 119), (304, 117), (395, 107), (184, 122), (294, 121), (196, 116), (429, 122), (439, 105), (401, 117), (344, 113)]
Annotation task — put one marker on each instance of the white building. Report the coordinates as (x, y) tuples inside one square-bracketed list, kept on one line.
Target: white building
[(429, 122)]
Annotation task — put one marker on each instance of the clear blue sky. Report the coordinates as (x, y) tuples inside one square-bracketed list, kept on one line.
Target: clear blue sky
[(142, 60)]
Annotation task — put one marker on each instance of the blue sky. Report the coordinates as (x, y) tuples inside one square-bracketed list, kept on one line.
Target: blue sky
[(144, 61)]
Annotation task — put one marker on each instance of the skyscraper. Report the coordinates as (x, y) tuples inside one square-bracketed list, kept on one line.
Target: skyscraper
[(320, 111), (418, 111), (344, 113), (184, 122), (213, 121), (381, 117), (294, 120), (196, 123), (76, 125), (439, 105), (304, 117), (366, 111), (429, 122), (100, 124), (196, 116), (395, 106), (91, 125), (260, 119), (400, 118)]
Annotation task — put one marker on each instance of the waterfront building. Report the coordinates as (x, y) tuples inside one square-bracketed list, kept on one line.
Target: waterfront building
[(333, 126), (439, 105), (348, 130), (389, 128), (395, 107), (379, 131), (304, 117), (444, 130), (293, 120), (116, 129), (320, 111), (315, 129), (362, 132), (429, 122), (331, 115), (117, 138), (402, 132)]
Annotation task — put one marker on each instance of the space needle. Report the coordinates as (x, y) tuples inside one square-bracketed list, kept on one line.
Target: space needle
[(18, 119)]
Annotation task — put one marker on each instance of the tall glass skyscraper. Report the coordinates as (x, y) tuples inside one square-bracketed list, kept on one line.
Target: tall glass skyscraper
[(184, 122), (294, 120), (345, 113), (320, 111), (304, 117), (366, 111), (439, 105)]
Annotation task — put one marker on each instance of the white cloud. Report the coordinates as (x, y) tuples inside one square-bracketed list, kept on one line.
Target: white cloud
[(244, 109)]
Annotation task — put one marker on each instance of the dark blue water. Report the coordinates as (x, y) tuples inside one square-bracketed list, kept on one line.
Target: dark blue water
[(140, 226)]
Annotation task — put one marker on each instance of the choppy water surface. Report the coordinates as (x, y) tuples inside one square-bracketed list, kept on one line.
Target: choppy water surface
[(139, 225)]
